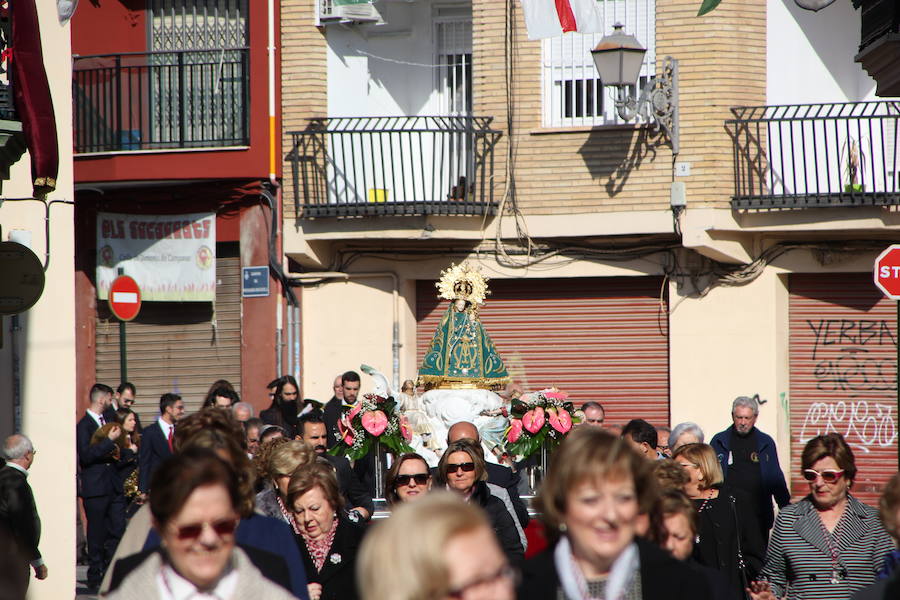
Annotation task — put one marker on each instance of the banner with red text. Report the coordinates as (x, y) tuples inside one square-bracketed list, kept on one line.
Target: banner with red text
[(172, 257)]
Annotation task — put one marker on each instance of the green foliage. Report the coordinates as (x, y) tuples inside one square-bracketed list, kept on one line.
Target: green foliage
[(707, 6)]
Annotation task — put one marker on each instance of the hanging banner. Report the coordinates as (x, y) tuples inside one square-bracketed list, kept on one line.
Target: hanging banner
[(172, 257)]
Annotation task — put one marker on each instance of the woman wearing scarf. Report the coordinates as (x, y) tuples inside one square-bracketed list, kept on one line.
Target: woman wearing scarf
[(328, 540), (590, 502)]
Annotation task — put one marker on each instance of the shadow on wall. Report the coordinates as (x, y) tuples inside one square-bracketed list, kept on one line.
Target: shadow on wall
[(833, 33), (13, 363), (613, 155)]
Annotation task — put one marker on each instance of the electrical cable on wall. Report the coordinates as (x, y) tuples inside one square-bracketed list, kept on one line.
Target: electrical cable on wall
[(47, 206)]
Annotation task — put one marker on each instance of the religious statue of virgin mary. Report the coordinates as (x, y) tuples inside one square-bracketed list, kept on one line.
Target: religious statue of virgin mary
[(461, 368)]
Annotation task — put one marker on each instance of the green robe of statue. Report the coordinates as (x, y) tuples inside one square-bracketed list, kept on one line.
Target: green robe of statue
[(462, 355)]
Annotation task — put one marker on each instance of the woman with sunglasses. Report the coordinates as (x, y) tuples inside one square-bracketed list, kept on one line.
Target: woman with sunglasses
[(462, 470), (195, 505), (829, 544), (408, 479)]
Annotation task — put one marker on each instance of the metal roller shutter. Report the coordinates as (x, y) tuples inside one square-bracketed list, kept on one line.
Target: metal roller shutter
[(603, 339), (843, 369), (174, 347)]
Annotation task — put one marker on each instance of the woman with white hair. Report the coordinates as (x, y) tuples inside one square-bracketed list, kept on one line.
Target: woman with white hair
[(685, 433)]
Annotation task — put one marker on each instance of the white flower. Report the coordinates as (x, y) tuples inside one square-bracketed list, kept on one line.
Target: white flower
[(335, 558)]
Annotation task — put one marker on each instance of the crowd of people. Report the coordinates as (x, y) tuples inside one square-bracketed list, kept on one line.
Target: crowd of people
[(223, 504)]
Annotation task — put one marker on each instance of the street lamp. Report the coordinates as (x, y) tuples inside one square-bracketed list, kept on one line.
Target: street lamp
[(618, 59)]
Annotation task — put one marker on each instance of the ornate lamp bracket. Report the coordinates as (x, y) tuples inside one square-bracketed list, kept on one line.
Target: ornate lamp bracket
[(657, 103)]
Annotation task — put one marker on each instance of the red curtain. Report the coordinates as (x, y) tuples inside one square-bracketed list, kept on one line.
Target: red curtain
[(31, 95)]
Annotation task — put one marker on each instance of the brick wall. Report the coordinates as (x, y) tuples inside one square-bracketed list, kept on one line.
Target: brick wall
[(304, 79), (722, 63)]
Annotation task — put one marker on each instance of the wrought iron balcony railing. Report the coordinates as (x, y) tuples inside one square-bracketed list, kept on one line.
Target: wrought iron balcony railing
[(367, 166), (816, 155), (161, 100)]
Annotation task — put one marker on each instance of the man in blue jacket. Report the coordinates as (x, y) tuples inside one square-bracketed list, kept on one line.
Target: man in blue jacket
[(749, 461)]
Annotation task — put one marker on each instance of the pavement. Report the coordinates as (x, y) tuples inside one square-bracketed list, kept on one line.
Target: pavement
[(81, 584)]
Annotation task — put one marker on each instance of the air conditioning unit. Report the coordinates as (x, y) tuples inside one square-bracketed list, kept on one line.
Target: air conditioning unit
[(329, 12)]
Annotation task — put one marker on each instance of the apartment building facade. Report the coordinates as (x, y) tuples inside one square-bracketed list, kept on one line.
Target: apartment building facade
[(663, 284), (176, 186)]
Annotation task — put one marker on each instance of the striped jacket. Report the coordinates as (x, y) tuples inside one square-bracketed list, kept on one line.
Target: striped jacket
[(798, 561)]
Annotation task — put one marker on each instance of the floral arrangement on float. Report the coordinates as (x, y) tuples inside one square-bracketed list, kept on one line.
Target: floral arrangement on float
[(371, 421), (542, 419)]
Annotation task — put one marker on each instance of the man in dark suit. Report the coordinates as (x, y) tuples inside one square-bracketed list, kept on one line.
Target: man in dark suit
[(497, 474), (20, 525), (333, 409), (158, 439), (104, 525), (312, 431), (123, 398)]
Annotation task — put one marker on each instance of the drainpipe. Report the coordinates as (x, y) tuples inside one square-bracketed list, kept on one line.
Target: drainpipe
[(271, 84), (395, 344)]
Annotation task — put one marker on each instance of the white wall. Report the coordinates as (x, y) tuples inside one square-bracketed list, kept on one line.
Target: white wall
[(359, 84), (46, 342), (810, 55)]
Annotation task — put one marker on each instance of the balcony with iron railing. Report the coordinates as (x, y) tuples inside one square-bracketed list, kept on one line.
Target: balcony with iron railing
[(170, 100), (816, 155), (382, 166)]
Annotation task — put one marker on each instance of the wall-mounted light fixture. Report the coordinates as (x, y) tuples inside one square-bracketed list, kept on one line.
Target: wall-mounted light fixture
[(618, 58)]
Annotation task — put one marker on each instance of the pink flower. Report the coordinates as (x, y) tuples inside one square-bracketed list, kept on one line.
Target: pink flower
[(345, 430), (533, 420), (515, 431), (560, 396), (354, 411), (405, 430), (560, 419), (375, 422)]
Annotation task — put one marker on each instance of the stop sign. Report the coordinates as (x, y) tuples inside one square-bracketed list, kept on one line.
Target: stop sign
[(887, 272), (124, 298)]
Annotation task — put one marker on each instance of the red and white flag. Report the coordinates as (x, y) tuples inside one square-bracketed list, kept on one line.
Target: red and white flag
[(551, 18)]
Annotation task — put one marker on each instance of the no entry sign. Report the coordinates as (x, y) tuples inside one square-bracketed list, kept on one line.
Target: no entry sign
[(124, 298)]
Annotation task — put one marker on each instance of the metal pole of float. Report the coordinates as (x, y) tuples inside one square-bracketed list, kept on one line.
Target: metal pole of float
[(123, 351)]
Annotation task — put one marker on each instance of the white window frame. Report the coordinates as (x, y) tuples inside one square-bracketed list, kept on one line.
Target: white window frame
[(453, 15), (567, 60)]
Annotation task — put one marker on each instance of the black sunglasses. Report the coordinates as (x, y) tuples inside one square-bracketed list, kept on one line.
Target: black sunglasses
[(467, 467), (193, 531), (419, 478)]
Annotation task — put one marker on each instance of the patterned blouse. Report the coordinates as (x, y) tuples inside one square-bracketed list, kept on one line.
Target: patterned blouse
[(597, 589)]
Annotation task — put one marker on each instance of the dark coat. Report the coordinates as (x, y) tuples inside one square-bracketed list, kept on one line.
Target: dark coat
[(501, 521), (662, 576), (338, 577), (270, 565), (98, 474), (331, 414), (509, 479), (284, 415), (153, 451), (125, 466), (772, 478), (721, 527), (351, 487), (886, 589), (18, 513)]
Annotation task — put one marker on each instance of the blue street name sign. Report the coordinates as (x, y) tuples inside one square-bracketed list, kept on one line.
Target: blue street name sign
[(255, 282)]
